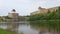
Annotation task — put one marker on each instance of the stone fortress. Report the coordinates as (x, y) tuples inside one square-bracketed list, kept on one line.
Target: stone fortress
[(43, 10), (15, 16), (12, 16)]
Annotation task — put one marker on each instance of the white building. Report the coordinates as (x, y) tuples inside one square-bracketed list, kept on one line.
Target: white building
[(13, 14)]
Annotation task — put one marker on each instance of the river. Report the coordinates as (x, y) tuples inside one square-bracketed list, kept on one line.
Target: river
[(28, 29)]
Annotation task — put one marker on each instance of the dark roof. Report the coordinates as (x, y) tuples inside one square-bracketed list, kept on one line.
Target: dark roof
[(14, 10)]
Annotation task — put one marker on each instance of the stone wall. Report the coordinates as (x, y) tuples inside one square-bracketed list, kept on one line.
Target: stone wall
[(43, 10)]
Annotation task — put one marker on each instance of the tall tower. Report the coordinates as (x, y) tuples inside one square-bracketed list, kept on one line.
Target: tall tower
[(13, 14)]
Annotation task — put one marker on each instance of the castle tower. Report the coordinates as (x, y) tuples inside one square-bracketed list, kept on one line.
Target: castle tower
[(13, 14), (14, 10), (39, 7)]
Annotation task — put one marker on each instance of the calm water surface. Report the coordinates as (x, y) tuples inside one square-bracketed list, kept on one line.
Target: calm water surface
[(27, 29)]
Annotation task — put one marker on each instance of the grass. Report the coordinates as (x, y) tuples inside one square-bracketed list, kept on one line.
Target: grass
[(21, 33), (7, 32)]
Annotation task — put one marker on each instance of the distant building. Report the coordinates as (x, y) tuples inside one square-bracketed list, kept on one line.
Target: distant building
[(13, 14), (40, 10), (43, 10), (54, 8)]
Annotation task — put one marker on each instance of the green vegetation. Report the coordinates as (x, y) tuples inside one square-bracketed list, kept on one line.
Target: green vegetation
[(6, 17), (55, 15), (21, 33), (50, 20), (7, 32)]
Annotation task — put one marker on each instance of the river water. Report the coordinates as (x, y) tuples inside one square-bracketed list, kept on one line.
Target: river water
[(28, 29)]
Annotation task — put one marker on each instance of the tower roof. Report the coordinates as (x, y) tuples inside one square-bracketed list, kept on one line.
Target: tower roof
[(39, 8), (13, 11)]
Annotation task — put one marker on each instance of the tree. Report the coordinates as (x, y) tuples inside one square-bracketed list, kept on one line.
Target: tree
[(49, 11)]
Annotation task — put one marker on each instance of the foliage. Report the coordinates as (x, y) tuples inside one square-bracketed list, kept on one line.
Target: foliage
[(7, 17), (55, 15), (50, 20), (21, 33), (7, 32)]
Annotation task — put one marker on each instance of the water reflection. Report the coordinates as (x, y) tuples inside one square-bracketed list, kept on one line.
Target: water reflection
[(46, 27), (27, 29), (3, 26), (32, 28)]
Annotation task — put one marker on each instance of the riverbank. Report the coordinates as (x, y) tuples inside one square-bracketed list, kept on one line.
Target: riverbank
[(2, 31)]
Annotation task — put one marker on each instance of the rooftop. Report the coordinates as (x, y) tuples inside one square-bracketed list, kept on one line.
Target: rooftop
[(13, 11)]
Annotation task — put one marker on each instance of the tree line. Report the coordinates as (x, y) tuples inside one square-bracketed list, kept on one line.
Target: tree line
[(55, 15)]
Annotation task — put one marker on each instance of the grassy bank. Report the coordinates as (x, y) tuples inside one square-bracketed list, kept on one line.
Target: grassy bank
[(7, 32)]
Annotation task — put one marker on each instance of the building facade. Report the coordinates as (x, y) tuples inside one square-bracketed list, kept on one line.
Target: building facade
[(43, 10), (13, 14)]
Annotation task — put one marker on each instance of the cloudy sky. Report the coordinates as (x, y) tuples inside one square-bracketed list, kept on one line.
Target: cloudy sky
[(25, 7)]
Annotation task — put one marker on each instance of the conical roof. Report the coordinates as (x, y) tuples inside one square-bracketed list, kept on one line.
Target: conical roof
[(13, 11)]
